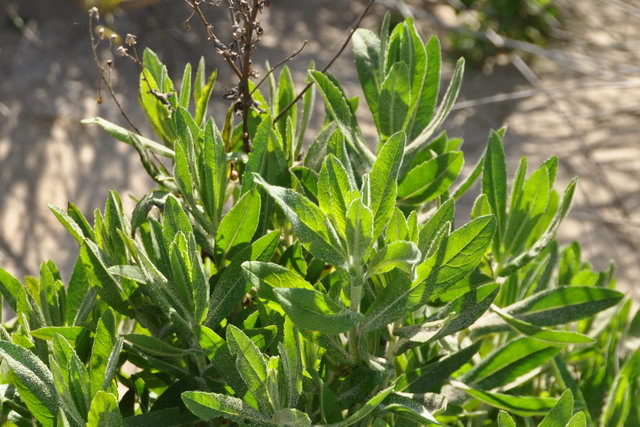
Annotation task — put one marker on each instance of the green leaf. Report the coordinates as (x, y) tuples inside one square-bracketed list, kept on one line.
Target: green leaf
[(400, 254), (182, 173), (286, 94), (545, 239), (434, 224), (334, 190), (309, 223), (441, 114), (251, 365), (213, 173), (313, 310), (239, 225), (208, 406), (99, 278), (307, 110), (366, 409), (383, 181), (202, 100), (494, 182), (317, 151), (10, 288), (619, 398), (430, 179), (290, 355), (394, 100), (291, 418), (525, 406), (105, 353), (527, 211), (141, 211), (128, 137), (199, 82), (409, 408), (366, 50), (398, 229), (578, 420), (274, 276), (154, 346), (34, 382), (71, 333), (561, 413), (336, 103), (71, 379), (69, 223), (556, 306), (456, 316), (423, 113), (185, 89), (308, 179), (457, 256), (359, 229), (430, 378), (231, 285), (540, 333), (506, 364), (505, 420), (104, 411), (267, 158)]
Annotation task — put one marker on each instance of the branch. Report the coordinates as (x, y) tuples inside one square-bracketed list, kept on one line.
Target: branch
[(279, 64), (335, 57), (104, 79)]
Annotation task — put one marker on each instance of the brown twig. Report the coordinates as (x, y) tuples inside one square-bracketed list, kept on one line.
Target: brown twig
[(246, 35), (335, 57), (246, 99), (278, 65), (104, 78), (221, 47)]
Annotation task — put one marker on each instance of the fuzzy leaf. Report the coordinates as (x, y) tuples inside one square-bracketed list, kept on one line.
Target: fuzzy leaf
[(239, 225), (309, 223), (104, 411), (35, 382), (394, 100), (251, 364), (313, 310), (400, 254), (515, 359), (430, 179), (383, 181), (231, 285), (208, 406)]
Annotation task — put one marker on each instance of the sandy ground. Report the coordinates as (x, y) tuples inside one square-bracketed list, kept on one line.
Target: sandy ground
[(48, 83)]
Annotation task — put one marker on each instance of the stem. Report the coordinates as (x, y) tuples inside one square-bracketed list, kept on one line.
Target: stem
[(356, 280), (246, 99)]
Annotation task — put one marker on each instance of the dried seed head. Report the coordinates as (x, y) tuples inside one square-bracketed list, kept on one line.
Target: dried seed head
[(122, 51), (109, 63), (113, 38), (94, 13), (130, 40), (99, 99), (101, 33)]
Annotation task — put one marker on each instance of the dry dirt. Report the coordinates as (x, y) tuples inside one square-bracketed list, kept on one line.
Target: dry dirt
[(48, 82)]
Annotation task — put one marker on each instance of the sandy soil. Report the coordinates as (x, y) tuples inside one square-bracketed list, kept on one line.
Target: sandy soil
[(48, 83)]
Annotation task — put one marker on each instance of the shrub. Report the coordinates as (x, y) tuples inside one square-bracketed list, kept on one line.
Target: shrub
[(333, 288)]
